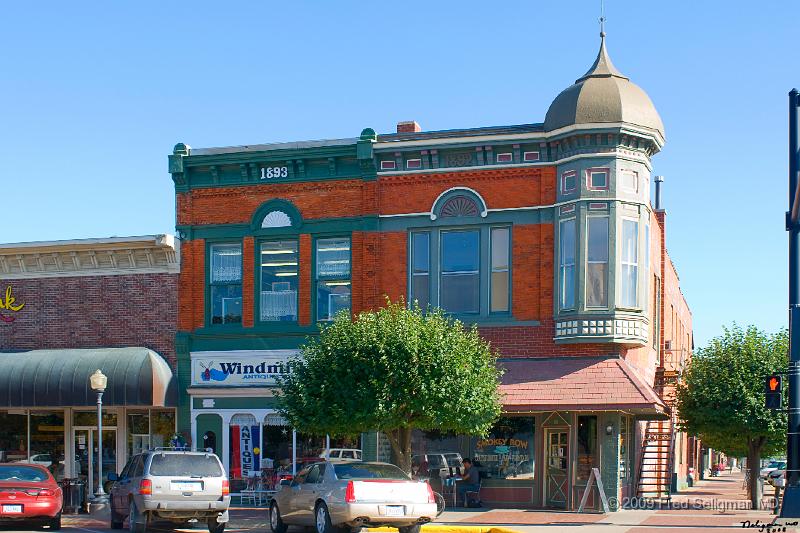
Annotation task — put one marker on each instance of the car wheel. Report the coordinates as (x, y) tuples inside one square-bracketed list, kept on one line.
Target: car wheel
[(215, 527), (410, 529), (322, 520), (116, 520), (136, 522), (55, 523), (275, 521)]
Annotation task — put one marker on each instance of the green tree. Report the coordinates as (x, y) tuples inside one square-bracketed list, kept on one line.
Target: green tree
[(393, 370), (721, 398)]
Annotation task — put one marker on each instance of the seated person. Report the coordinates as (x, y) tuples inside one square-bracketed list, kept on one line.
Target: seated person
[(470, 481)]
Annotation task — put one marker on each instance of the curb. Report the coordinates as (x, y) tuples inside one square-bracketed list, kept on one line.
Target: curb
[(444, 528)]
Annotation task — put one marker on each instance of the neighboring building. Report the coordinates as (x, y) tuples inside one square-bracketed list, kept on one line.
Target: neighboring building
[(67, 309), (541, 234)]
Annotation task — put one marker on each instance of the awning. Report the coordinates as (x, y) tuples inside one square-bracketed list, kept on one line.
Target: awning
[(607, 383), (53, 378)]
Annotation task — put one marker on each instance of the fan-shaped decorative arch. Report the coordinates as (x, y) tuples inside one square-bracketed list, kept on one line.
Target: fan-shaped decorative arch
[(459, 206), (276, 219)]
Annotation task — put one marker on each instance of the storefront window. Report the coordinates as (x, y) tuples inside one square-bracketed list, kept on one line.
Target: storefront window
[(276, 450), (508, 451), (89, 418), (587, 447), (47, 441), (434, 453), (162, 428), (309, 448), (13, 437), (245, 432), (138, 432)]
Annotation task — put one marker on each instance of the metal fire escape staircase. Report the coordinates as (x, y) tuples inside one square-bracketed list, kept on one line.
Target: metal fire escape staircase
[(657, 459)]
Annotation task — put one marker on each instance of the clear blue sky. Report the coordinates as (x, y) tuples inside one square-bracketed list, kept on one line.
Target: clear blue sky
[(95, 94)]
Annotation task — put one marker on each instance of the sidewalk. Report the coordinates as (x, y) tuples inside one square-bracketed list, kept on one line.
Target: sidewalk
[(717, 504)]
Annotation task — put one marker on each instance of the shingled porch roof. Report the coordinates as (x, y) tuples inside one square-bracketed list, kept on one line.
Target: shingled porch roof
[(608, 383)]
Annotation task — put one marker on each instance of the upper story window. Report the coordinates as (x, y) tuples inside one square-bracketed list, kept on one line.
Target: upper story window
[(530, 156), (464, 271), (596, 261), (421, 268), (413, 164), (279, 271), (459, 206), (225, 283), (567, 235), (459, 286), (506, 157), (629, 263), (569, 181), (597, 179), (629, 181), (388, 165), (333, 277), (499, 290)]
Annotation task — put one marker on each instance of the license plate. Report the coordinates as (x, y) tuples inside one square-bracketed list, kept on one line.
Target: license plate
[(186, 486), (12, 508), (395, 510)]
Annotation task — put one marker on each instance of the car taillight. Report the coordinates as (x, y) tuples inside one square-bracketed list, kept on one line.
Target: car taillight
[(47, 492), (350, 493), (431, 497), (226, 487), (145, 487)]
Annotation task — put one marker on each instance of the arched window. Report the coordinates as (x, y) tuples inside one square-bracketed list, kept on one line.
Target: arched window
[(459, 206), (276, 219)]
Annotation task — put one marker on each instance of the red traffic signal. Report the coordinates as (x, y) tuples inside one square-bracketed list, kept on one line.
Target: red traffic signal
[(772, 391)]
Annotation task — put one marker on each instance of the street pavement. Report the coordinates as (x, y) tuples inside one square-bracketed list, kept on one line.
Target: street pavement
[(714, 505)]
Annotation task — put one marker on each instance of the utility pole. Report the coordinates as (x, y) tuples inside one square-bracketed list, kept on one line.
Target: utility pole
[(791, 497)]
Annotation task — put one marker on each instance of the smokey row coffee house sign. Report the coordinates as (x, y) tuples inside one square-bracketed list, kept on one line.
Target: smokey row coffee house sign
[(241, 368)]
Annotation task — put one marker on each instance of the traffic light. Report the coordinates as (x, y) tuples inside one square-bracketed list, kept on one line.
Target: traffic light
[(772, 391)]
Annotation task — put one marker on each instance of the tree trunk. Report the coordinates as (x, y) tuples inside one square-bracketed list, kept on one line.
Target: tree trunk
[(400, 440), (754, 467)]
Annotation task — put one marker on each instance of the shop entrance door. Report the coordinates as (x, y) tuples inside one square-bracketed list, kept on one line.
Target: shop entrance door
[(85, 461), (557, 474)]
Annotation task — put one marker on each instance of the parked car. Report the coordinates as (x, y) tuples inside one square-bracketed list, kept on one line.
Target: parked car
[(29, 493), (454, 460), (342, 495), (170, 485), (431, 465), (351, 454), (772, 465)]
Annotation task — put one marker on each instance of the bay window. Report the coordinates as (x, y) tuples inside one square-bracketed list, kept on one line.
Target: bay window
[(567, 263), (629, 263), (225, 280), (459, 286), (333, 277), (597, 262), (279, 271)]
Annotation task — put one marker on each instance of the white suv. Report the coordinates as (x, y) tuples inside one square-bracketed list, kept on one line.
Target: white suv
[(170, 485), (344, 454)]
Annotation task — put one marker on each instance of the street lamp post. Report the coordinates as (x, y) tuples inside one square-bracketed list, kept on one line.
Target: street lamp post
[(98, 382), (791, 496)]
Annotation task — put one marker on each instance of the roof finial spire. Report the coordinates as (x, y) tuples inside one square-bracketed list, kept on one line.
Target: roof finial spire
[(602, 20)]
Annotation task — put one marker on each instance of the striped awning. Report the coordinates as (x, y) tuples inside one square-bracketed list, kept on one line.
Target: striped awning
[(54, 378)]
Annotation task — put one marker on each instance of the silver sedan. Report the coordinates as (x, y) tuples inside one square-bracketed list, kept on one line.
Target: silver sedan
[(339, 496)]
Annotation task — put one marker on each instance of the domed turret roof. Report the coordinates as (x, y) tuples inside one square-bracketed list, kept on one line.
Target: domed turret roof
[(603, 94)]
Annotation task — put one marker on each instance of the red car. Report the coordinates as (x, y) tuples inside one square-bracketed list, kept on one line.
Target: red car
[(28, 493)]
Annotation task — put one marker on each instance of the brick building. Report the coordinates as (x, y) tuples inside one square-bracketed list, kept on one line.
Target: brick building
[(67, 309), (541, 234)]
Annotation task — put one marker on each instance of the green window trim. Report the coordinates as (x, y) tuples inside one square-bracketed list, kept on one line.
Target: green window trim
[(568, 237), (278, 265), (334, 281), (432, 268), (224, 283)]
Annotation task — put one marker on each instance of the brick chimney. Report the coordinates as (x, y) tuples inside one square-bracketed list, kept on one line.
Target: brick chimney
[(408, 126)]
